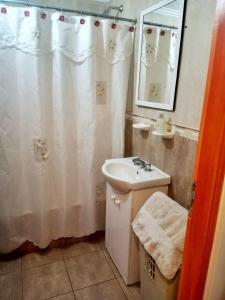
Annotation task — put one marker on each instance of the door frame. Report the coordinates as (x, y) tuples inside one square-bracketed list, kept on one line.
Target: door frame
[(209, 171)]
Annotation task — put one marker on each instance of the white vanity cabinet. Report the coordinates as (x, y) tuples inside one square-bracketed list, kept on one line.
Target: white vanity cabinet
[(121, 242)]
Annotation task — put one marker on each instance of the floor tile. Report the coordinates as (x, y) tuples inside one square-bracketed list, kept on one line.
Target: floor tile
[(133, 292), (102, 245), (88, 269), (100, 241), (10, 266), (45, 281), (41, 258), (111, 263), (11, 286), (79, 248), (69, 296), (109, 290)]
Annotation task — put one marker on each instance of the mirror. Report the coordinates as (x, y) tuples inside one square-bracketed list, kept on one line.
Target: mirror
[(158, 54)]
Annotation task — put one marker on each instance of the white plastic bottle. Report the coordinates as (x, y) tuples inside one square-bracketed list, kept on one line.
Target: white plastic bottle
[(161, 124)]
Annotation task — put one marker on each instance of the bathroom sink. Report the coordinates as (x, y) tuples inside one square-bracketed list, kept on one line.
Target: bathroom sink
[(124, 176)]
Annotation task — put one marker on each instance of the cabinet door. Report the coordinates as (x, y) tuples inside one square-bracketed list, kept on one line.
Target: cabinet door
[(118, 218)]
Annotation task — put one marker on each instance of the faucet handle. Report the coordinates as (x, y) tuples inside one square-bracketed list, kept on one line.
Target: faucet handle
[(136, 159), (148, 167), (139, 162)]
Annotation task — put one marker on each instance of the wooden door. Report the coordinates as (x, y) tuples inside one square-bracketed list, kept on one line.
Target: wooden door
[(209, 170)]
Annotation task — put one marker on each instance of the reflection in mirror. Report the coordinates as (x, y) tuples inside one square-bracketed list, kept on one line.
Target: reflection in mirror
[(158, 54)]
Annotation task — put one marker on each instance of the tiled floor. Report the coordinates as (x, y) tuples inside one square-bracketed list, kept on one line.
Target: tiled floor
[(82, 271)]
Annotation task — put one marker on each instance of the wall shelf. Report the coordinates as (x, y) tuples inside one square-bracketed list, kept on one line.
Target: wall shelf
[(166, 135), (141, 126)]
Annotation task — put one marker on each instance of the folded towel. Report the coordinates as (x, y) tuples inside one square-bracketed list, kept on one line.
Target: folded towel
[(160, 226)]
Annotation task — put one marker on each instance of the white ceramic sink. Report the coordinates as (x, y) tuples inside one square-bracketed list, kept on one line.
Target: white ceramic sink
[(124, 176)]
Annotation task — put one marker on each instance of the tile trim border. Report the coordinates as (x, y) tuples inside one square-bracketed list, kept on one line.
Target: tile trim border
[(181, 130)]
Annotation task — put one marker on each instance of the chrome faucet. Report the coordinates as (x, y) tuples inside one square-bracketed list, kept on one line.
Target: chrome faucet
[(138, 162), (141, 163)]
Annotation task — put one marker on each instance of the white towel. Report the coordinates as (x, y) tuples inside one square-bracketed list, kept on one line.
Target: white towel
[(160, 226)]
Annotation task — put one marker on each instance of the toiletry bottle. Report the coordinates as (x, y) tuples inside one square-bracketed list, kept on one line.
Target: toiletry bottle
[(161, 124)]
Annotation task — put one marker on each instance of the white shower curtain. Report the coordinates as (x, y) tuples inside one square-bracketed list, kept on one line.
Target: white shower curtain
[(63, 88)]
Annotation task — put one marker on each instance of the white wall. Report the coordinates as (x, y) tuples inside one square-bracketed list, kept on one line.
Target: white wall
[(88, 5), (215, 283)]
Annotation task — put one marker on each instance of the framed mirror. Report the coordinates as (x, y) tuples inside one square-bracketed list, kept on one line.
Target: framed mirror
[(158, 54)]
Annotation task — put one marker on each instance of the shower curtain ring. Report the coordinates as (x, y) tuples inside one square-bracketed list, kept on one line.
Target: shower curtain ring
[(97, 22), (132, 27), (43, 13), (61, 17), (113, 26), (82, 20), (26, 11)]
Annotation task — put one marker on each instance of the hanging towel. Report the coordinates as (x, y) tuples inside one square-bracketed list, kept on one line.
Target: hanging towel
[(160, 226)]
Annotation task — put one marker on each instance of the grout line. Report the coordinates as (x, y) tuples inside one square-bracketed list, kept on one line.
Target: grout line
[(51, 262), (74, 295), (59, 295), (7, 273), (84, 239), (122, 288), (99, 283), (114, 273), (86, 253), (21, 275), (67, 272), (96, 250), (94, 284), (127, 296), (57, 260)]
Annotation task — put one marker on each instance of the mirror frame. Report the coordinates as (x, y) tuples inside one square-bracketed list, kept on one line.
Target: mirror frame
[(163, 106)]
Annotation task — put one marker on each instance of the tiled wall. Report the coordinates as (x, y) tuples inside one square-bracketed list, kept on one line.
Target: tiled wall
[(175, 157)]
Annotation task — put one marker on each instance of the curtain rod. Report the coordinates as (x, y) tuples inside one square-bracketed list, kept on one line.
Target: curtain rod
[(80, 12), (160, 25)]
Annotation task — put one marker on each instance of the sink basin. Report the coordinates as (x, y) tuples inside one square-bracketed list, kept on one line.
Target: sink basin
[(124, 176)]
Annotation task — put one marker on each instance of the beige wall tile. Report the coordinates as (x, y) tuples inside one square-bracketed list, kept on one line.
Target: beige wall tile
[(175, 157)]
